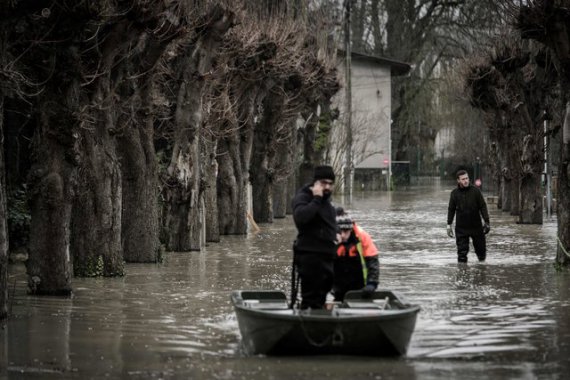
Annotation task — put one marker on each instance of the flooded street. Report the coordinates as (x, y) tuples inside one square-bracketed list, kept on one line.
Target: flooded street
[(507, 318)]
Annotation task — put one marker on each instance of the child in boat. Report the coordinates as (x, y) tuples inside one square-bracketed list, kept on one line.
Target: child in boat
[(356, 263)]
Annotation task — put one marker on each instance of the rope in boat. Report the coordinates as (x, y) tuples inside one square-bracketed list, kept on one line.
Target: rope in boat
[(337, 337)]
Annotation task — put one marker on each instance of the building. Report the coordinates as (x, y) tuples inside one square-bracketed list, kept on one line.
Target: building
[(370, 119)]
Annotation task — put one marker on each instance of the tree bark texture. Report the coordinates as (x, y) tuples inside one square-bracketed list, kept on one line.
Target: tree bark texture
[(563, 191), (283, 161), (96, 214), (530, 190), (3, 208), (96, 217), (209, 148), (231, 194), (234, 156), (140, 228), (263, 158), (309, 153), (184, 213), (51, 194), (140, 209), (547, 22)]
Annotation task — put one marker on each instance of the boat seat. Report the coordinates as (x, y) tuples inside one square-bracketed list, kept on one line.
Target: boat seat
[(376, 304), (266, 304)]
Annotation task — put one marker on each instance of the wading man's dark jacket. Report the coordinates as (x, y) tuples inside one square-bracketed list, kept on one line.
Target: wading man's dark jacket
[(469, 205)]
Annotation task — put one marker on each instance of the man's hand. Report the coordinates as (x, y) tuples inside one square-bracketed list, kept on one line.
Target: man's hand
[(486, 228), (450, 231), (317, 189)]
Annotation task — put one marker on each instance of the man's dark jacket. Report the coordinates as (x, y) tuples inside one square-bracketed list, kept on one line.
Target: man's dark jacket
[(315, 218), (470, 206)]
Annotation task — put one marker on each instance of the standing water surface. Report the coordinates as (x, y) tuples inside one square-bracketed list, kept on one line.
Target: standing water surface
[(507, 318)]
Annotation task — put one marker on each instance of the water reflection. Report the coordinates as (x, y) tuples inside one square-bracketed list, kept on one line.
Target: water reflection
[(506, 318)]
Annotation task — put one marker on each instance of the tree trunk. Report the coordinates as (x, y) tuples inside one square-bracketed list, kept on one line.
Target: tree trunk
[(140, 209), (96, 216), (234, 158), (283, 164), (52, 174), (309, 153), (530, 190), (210, 190), (182, 220), (563, 191), (3, 213), (263, 154), (184, 213), (512, 177), (140, 216)]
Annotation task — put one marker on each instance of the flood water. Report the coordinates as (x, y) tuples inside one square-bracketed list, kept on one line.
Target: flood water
[(507, 318)]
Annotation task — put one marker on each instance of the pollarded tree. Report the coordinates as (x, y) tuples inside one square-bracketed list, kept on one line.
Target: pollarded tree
[(512, 82), (183, 192), (3, 206), (548, 21)]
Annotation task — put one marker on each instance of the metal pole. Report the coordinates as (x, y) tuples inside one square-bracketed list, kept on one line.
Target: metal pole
[(389, 188), (547, 174), (348, 74)]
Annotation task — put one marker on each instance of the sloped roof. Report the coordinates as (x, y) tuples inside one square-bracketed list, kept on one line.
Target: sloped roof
[(397, 68)]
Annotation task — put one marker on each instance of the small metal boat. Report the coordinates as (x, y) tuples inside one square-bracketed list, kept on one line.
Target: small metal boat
[(380, 325)]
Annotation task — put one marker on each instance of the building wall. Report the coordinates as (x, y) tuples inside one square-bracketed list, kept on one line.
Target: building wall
[(371, 110), (371, 104)]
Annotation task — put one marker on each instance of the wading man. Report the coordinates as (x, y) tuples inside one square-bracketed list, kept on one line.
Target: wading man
[(467, 204)]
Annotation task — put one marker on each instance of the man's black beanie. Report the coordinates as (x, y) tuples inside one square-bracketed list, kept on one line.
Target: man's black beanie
[(323, 172)]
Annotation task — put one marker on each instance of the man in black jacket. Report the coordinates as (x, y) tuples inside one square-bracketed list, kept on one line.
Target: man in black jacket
[(468, 203), (315, 246)]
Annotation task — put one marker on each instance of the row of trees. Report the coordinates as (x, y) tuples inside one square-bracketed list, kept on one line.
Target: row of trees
[(130, 123), (520, 83)]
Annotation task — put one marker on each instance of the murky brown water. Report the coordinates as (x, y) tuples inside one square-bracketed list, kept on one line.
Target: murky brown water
[(508, 318)]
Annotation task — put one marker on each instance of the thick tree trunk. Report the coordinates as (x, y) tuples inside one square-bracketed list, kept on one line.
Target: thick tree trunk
[(263, 173), (210, 190), (283, 165), (182, 212), (140, 209), (51, 181), (530, 190), (96, 216), (234, 157), (140, 216), (140, 227), (232, 211), (512, 177), (309, 153), (184, 209), (3, 213), (563, 191)]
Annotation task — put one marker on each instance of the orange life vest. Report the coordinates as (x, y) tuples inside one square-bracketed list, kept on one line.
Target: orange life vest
[(364, 247)]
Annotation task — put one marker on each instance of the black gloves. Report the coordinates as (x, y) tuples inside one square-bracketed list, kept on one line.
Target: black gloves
[(368, 290), (486, 228)]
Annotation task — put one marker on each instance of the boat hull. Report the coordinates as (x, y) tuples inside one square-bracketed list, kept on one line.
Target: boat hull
[(268, 326)]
